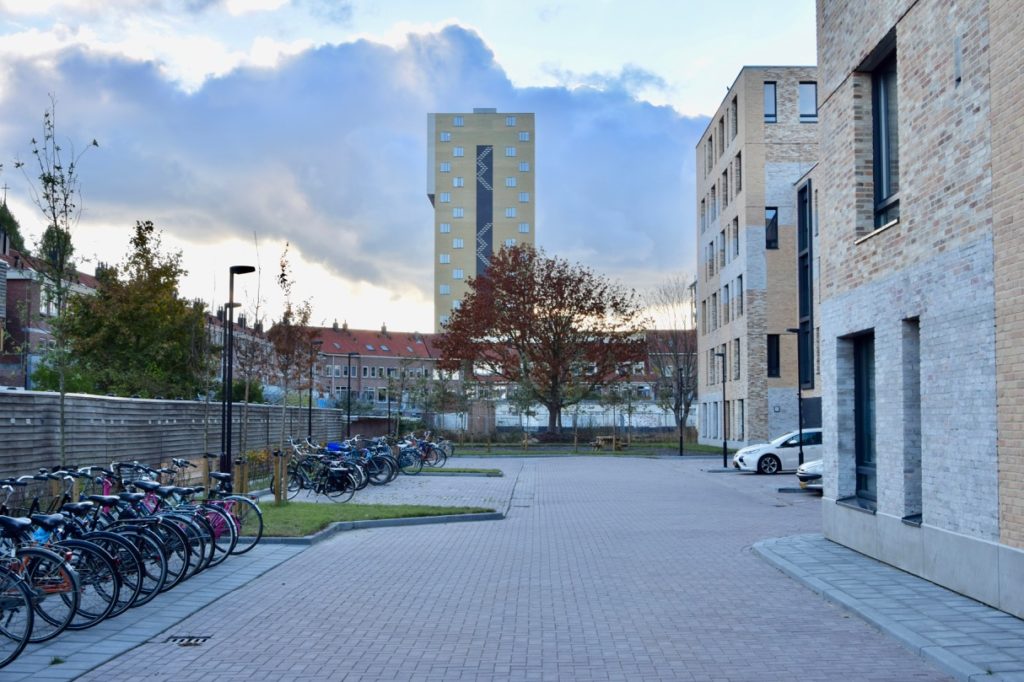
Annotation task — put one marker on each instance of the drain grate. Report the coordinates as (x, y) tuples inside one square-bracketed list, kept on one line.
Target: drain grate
[(186, 640)]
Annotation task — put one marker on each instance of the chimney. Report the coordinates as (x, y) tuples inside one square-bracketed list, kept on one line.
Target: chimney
[(241, 321), (383, 329), (258, 327), (220, 314), (344, 326), (335, 325)]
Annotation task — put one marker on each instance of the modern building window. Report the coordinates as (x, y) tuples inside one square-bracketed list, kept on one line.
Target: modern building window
[(524, 136), (738, 428), (458, 151), (805, 284), (510, 243), (458, 273), (524, 166), (445, 289), (774, 367), (446, 166), (510, 212), (510, 121), (458, 181), (703, 215), (725, 187), (721, 249), (737, 172), (458, 212), (457, 121), (736, 359), (735, 237), (446, 197), (510, 151), (734, 120), (714, 203), (703, 317), (771, 227), (457, 243), (864, 416), (446, 136), (738, 295), (524, 228), (510, 182), (886, 141), (446, 228), (524, 197), (725, 304), (808, 102), (769, 102), (444, 258), (444, 320), (456, 304)]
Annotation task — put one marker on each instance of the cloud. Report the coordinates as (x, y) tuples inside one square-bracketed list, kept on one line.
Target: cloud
[(326, 149)]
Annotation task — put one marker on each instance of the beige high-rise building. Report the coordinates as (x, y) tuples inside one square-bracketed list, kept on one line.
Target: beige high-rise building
[(761, 140), (480, 182)]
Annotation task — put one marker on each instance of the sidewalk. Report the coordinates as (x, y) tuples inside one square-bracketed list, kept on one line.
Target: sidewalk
[(964, 637)]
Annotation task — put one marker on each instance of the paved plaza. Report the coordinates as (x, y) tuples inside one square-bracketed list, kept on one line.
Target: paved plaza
[(604, 569)]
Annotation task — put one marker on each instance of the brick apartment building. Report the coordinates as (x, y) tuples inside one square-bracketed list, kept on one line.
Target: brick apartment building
[(761, 140), (922, 314)]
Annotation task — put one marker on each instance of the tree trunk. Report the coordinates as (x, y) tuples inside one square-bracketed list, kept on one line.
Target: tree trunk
[(554, 417)]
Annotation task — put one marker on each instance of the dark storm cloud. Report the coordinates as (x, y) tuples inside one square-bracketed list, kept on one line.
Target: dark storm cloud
[(328, 150)]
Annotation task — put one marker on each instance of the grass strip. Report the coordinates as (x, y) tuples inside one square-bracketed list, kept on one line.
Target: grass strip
[(462, 470), (296, 519)]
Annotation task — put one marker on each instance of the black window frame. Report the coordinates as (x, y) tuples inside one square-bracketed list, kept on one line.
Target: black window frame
[(773, 115), (866, 461), (807, 118), (805, 284), (885, 139), (771, 228), (773, 364)]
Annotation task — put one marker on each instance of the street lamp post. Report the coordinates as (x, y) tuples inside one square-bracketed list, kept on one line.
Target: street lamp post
[(725, 436), (348, 398), (313, 347), (799, 391), (225, 455), (679, 407)]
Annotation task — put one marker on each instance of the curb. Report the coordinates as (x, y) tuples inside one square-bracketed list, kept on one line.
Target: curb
[(458, 473), (942, 658), (339, 526)]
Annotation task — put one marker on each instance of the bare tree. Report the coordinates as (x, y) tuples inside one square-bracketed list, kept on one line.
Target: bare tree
[(672, 348), (58, 198)]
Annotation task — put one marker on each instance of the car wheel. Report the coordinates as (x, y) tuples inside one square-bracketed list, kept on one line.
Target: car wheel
[(769, 464)]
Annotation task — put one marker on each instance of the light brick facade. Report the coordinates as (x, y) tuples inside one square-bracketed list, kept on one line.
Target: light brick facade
[(747, 162), (931, 484)]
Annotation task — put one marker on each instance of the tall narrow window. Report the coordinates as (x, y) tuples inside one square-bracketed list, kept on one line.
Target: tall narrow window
[(864, 416), (808, 102), (736, 359), (735, 238), (738, 295), (737, 172), (805, 284), (771, 227), (703, 214), (886, 141), (769, 102), (721, 249), (734, 120), (725, 187), (725, 304), (773, 365), (721, 136)]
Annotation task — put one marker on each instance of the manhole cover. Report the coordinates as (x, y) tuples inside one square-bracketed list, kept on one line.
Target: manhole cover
[(186, 640)]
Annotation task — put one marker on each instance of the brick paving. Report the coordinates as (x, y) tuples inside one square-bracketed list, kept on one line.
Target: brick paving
[(604, 569)]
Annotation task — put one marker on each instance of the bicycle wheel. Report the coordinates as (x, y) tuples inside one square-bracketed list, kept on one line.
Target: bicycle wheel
[(409, 462), (379, 470), (55, 590), (154, 562), (128, 561), (248, 522), (225, 535), (99, 583), (16, 615), (296, 479), (343, 488)]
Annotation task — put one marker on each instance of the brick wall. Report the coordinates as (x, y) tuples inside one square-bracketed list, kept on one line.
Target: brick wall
[(1007, 36)]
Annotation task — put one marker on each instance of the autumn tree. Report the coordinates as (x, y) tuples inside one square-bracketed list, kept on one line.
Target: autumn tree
[(672, 349), (137, 335), (557, 329), (57, 197)]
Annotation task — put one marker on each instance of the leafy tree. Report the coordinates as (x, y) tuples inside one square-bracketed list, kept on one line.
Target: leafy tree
[(10, 225), (137, 336), (557, 329), (672, 350), (243, 391), (57, 198)]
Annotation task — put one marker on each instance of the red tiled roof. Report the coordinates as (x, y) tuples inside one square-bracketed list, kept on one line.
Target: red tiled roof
[(26, 261), (374, 343)]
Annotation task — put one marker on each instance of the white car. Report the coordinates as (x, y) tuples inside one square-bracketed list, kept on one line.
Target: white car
[(782, 454), (809, 474)]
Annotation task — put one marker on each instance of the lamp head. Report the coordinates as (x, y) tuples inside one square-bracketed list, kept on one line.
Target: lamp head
[(241, 269)]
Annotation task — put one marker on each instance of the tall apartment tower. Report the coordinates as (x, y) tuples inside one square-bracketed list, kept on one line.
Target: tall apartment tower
[(761, 141), (480, 181)]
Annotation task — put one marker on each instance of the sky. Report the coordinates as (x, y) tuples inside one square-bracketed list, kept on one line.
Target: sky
[(238, 126)]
